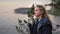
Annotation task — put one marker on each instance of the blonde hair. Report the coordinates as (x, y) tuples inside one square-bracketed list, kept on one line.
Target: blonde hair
[(45, 15)]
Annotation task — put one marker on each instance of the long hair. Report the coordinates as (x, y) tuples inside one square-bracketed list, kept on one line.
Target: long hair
[(45, 15)]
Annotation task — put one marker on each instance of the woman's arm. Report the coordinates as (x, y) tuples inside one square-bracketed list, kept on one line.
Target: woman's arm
[(30, 27), (46, 29)]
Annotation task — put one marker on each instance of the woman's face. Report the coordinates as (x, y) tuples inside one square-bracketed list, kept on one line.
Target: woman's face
[(37, 11)]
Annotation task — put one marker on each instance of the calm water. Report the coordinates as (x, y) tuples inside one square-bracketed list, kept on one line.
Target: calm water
[(8, 22)]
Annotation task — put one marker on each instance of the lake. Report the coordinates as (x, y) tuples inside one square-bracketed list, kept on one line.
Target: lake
[(9, 21)]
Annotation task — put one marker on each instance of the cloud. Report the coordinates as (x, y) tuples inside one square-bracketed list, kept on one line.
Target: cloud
[(28, 1), (10, 5)]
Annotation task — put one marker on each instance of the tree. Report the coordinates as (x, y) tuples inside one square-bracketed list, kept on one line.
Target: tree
[(23, 27), (31, 13), (56, 7)]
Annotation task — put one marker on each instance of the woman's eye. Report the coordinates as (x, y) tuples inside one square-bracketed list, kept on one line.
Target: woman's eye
[(36, 10), (41, 9)]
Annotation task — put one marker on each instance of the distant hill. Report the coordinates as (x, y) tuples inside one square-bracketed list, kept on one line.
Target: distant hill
[(21, 10)]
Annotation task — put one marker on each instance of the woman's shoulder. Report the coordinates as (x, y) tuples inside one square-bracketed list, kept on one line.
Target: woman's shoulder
[(46, 21)]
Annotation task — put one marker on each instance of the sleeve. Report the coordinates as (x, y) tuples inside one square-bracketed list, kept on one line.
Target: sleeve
[(30, 27), (47, 28)]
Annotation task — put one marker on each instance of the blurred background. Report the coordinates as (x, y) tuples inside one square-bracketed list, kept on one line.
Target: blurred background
[(11, 10)]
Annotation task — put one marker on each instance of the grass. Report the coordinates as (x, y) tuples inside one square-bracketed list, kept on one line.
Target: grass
[(57, 12)]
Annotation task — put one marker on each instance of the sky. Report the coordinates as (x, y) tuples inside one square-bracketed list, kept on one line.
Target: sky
[(8, 6)]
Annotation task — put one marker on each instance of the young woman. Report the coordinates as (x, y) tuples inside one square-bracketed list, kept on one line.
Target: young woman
[(42, 23)]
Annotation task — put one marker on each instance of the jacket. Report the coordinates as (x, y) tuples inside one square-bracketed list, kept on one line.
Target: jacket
[(43, 27)]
